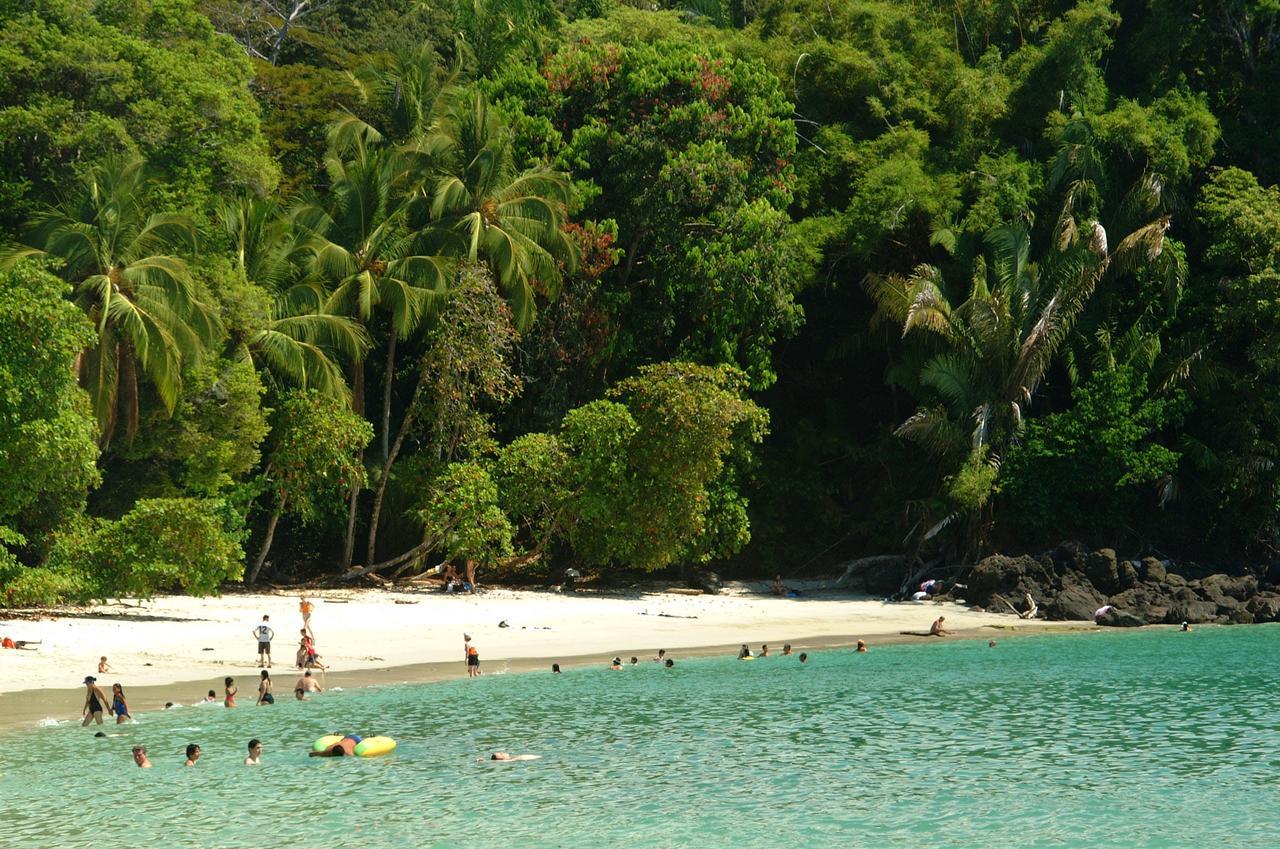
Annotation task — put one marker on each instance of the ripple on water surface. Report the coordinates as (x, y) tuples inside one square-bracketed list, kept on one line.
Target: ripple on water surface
[(1152, 739)]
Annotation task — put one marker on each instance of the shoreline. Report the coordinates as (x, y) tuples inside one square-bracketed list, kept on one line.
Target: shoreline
[(175, 648)]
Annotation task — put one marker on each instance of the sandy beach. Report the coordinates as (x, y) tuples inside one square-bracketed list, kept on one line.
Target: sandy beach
[(174, 648)]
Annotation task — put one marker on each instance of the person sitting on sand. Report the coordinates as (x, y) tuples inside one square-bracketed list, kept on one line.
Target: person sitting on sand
[(744, 652), (103, 666), (778, 587), (119, 705), (255, 753), (504, 756), (140, 757), (862, 647), (95, 702), (936, 629), (193, 754)]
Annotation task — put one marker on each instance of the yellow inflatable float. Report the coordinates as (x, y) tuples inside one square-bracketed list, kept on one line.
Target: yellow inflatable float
[(352, 745)]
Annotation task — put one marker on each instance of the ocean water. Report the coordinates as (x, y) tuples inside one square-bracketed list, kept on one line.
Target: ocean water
[(1150, 739)]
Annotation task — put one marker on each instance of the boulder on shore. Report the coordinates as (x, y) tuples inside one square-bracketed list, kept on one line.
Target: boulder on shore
[(1114, 618), (1076, 601)]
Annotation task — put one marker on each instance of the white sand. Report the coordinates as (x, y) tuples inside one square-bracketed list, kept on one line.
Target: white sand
[(176, 638)]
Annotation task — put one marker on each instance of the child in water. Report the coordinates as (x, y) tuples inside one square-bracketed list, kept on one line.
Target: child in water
[(118, 704)]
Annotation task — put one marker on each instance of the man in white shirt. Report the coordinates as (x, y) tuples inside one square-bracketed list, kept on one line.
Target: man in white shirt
[(263, 633)]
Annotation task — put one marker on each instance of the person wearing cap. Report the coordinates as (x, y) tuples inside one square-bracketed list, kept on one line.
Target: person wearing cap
[(140, 757), (616, 663), (95, 701)]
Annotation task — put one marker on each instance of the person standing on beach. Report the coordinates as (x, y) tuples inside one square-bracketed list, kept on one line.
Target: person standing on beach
[(140, 757), (229, 692), (263, 634), (305, 607), (264, 690), (95, 702), (473, 663), (255, 753), (193, 754)]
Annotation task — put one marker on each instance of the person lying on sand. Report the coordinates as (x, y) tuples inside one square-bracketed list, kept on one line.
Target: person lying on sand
[(936, 629), (28, 645), (504, 756)]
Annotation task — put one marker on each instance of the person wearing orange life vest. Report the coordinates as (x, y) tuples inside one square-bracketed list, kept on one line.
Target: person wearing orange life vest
[(473, 662)]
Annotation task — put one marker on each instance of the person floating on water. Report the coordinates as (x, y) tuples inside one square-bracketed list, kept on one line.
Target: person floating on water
[(95, 702), (263, 634), (344, 748), (504, 756), (140, 757), (119, 705), (936, 629), (744, 652), (193, 754), (255, 753)]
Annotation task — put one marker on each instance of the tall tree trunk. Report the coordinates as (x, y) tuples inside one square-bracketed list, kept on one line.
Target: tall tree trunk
[(386, 469), (386, 394), (357, 405), (266, 543)]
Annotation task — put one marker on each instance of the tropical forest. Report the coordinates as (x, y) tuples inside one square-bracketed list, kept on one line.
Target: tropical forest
[(325, 290)]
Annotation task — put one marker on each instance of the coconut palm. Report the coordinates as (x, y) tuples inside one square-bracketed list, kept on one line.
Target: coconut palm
[(405, 91), (484, 210), (988, 348), (121, 261), (297, 341)]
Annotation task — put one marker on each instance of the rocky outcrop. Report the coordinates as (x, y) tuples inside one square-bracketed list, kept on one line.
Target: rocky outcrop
[(1071, 582)]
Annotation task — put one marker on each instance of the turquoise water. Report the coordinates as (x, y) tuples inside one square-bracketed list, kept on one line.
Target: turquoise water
[(1148, 739)]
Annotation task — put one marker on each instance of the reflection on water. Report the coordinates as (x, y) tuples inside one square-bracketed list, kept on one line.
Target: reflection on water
[(1155, 739)]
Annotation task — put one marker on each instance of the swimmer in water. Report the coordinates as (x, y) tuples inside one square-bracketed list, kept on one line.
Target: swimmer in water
[(991, 644), (764, 650), (744, 652), (669, 663), (615, 664), (555, 667), (862, 647), (1186, 626), (255, 753), (140, 757), (344, 748), (786, 649), (662, 655), (803, 657), (193, 754), (504, 756), (211, 696), (635, 661)]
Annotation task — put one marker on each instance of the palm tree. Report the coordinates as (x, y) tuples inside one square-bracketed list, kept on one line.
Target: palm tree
[(139, 295), (406, 92), (987, 351), (361, 248), (484, 210), (297, 341)]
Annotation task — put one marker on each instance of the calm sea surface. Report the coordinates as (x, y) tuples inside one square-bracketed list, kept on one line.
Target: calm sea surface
[(1086, 740)]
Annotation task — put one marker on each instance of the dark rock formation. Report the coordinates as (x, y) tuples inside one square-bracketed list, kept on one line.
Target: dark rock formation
[(1072, 583)]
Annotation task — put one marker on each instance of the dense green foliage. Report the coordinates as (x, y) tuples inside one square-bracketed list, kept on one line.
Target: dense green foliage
[(528, 284)]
